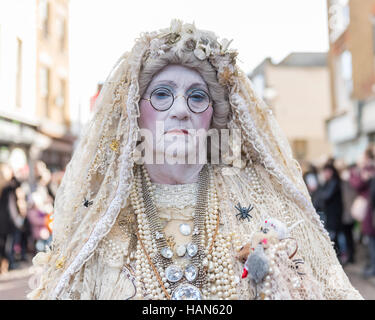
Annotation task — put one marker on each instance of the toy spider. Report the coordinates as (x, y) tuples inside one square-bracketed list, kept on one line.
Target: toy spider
[(244, 212), (87, 203)]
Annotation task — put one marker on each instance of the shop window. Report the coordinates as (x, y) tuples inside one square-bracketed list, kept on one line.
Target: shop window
[(339, 18), (19, 74), (300, 149), (61, 31), (343, 80), (44, 13), (45, 88), (60, 99)]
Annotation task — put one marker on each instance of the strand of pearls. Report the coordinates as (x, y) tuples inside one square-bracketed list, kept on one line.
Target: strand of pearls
[(220, 269), (277, 251), (217, 260), (144, 275), (221, 274)]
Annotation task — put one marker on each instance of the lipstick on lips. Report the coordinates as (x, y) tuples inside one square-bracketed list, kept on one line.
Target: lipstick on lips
[(177, 131)]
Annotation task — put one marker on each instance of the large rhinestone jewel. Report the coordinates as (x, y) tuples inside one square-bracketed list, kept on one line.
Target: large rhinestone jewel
[(174, 273), (186, 291), (185, 229), (166, 253), (191, 272), (192, 249)]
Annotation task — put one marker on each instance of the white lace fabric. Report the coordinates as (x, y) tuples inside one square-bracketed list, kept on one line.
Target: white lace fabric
[(80, 264)]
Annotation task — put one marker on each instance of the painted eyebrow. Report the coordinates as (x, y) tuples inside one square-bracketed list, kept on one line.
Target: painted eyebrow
[(174, 85)]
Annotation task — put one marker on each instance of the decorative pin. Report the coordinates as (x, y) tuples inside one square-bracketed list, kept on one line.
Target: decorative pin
[(87, 203), (170, 241), (115, 145), (244, 212), (60, 263)]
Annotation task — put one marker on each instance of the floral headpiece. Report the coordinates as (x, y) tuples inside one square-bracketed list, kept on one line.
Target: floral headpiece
[(204, 44)]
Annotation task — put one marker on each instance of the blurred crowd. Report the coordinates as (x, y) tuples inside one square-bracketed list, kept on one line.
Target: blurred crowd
[(344, 196), (25, 213)]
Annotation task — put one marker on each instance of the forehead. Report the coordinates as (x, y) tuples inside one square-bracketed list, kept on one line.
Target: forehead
[(177, 76)]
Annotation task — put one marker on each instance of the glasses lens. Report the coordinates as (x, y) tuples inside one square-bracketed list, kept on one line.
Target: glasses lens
[(198, 101), (161, 99)]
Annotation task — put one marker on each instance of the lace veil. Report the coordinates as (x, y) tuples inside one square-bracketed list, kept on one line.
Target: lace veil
[(100, 171)]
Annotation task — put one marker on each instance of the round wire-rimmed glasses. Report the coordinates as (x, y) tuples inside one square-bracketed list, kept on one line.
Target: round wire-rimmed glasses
[(162, 99)]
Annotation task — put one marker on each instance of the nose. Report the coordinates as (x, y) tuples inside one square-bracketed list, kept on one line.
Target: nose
[(180, 109)]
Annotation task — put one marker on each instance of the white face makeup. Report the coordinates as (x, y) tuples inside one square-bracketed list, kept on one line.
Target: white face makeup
[(177, 138)]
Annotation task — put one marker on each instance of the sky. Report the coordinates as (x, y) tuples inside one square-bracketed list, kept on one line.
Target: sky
[(101, 30)]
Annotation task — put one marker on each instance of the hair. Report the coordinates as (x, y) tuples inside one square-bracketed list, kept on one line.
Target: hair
[(330, 166), (369, 152), (221, 109)]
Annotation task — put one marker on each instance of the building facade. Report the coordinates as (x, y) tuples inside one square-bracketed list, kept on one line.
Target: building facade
[(34, 77), (297, 89), (52, 81), (351, 60)]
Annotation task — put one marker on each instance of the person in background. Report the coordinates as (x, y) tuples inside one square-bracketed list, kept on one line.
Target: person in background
[(311, 178), (372, 212), (40, 208), (348, 223), (332, 198), (13, 217), (6, 227), (360, 179)]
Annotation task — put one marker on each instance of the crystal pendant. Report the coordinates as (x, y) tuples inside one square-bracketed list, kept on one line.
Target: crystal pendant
[(166, 253), (174, 273), (191, 272), (185, 229), (192, 249), (186, 291), (181, 250)]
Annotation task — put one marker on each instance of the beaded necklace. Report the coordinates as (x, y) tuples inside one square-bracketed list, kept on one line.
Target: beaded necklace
[(212, 260), (175, 282)]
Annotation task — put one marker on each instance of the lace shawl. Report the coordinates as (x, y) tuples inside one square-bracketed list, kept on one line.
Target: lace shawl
[(101, 170)]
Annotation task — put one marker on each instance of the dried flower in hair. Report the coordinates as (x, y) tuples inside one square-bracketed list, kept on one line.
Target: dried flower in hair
[(200, 54), (176, 26), (188, 28), (225, 44), (172, 38), (190, 44)]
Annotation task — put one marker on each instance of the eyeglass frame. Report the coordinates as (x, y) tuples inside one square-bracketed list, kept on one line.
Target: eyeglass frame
[(175, 97)]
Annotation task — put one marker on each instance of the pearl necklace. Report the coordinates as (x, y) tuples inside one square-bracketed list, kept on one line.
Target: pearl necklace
[(212, 259)]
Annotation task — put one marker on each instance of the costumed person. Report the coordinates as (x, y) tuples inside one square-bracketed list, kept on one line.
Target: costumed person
[(127, 227)]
